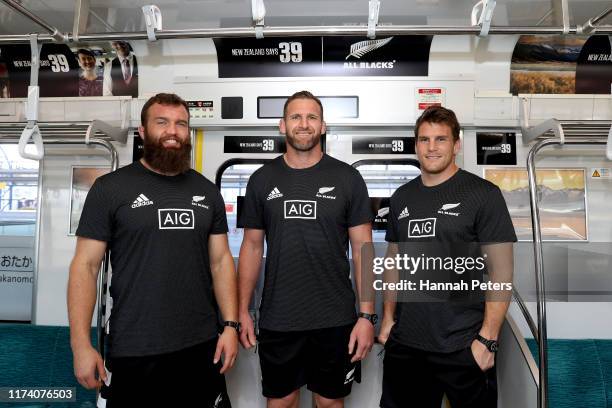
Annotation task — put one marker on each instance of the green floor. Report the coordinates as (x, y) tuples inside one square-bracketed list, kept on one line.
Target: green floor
[(579, 373), (34, 356)]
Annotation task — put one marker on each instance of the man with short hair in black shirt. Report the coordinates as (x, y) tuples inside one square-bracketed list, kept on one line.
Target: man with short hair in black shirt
[(166, 228), (308, 206), (438, 348)]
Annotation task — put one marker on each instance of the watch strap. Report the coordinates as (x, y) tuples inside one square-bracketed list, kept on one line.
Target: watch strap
[(373, 318), (235, 325), (491, 345)]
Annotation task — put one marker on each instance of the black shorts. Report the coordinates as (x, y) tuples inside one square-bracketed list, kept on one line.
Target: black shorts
[(318, 359), (173, 379), (417, 378)]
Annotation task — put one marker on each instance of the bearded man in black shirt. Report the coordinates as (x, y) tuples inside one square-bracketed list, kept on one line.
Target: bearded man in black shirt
[(308, 206), (172, 270), (436, 348)]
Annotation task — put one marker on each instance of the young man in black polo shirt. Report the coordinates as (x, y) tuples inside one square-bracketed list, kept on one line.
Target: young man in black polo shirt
[(172, 270), (439, 348), (308, 206)]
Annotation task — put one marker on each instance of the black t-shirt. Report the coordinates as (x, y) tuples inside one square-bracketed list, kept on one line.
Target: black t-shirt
[(463, 209), (157, 228), (306, 214)]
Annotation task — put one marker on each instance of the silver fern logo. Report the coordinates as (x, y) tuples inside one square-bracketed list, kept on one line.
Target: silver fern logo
[(362, 48), (450, 206)]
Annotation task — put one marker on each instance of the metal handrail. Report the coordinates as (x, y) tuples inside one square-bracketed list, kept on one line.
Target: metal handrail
[(55, 34), (293, 31), (523, 307), (539, 256)]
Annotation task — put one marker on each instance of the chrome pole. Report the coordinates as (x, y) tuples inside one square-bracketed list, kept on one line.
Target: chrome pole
[(604, 14), (288, 31), (523, 307), (538, 257), (592, 24), (54, 32)]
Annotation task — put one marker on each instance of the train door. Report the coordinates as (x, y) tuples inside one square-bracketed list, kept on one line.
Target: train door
[(229, 157), (67, 173), (386, 160)]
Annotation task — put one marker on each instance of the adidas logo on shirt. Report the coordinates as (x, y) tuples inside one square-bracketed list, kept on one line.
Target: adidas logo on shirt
[(275, 193), (141, 201), (404, 213)]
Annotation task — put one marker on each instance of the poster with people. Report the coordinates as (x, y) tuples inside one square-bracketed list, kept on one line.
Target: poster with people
[(105, 69)]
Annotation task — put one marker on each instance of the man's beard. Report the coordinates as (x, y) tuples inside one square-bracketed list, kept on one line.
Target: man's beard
[(173, 161), (304, 146)]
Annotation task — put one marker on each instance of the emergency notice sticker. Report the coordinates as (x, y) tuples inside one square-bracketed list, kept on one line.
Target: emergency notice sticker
[(426, 97)]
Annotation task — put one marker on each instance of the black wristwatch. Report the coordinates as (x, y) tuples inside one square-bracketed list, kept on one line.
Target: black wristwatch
[(235, 325), (373, 318), (491, 345)]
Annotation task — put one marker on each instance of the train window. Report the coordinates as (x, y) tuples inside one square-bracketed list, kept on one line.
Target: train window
[(18, 192), (383, 177), (232, 178)]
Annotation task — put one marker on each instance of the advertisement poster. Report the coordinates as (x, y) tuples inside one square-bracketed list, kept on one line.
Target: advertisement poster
[(497, 148), (82, 180), (545, 64), (382, 145), (71, 71), (562, 202), (594, 68), (254, 144), (323, 56)]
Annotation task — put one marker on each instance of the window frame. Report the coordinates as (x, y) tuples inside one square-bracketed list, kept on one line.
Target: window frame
[(232, 162)]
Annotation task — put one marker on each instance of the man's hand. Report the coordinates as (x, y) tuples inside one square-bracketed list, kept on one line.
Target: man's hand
[(385, 330), (87, 361), (482, 355), (247, 336), (227, 345), (363, 335)]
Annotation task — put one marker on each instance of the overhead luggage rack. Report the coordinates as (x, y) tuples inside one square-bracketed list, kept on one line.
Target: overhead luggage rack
[(581, 129), (51, 130), (481, 19)]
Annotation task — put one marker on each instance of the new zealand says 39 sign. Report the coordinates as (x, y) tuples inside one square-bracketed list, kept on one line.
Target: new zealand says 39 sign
[(323, 56)]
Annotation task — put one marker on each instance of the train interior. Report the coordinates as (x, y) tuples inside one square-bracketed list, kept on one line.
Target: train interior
[(530, 82)]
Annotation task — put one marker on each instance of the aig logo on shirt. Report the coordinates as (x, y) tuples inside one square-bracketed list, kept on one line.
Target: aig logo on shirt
[(422, 228), (303, 209), (176, 218)]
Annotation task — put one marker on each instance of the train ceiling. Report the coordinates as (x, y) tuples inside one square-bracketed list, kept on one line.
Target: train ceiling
[(103, 16)]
